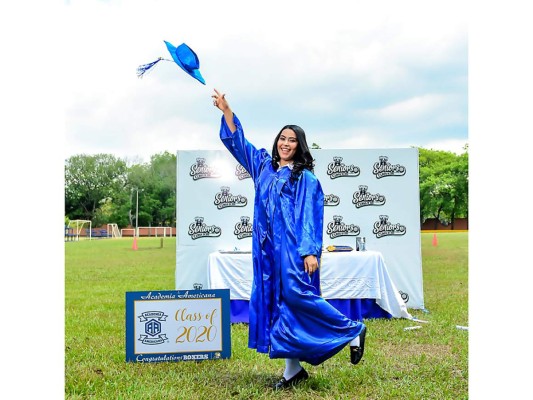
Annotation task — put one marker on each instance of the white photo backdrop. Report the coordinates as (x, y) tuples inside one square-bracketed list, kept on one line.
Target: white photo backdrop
[(370, 193)]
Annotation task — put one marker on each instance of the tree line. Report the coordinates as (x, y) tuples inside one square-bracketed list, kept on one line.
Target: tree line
[(104, 189)]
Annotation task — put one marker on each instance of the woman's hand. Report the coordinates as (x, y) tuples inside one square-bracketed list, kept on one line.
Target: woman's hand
[(219, 101), (310, 264)]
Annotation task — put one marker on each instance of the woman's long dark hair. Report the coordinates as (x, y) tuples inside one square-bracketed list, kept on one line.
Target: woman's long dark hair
[(302, 158)]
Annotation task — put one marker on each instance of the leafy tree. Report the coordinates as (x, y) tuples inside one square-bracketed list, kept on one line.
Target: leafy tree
[(163, 188), (90, 182), (156, 185), (443, 178)]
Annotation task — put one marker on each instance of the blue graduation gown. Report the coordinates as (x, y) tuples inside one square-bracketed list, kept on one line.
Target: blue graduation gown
[(287, 316)]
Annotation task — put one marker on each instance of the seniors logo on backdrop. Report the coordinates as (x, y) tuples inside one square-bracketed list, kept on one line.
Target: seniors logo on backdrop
[(243, 229), (201, 170), (363, 198), (152, 327), (225, 199), (384, 168), (331, 200), (337, 169), (338, 228), (199, 229), (241, 173), (385, 228)]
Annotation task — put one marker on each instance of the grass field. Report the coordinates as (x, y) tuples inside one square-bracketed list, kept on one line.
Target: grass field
[(428, 363)]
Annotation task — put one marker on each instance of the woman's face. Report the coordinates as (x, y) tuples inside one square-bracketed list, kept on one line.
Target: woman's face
[(287, 145)]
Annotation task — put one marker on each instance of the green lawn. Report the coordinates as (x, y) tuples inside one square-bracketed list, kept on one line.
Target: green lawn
[(428, 363)]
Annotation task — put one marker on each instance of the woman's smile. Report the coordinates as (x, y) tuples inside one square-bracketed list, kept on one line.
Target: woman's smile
[(287, 145)]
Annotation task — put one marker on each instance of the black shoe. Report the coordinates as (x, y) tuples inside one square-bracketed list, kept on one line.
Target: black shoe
[(284, 383), (356, 352)]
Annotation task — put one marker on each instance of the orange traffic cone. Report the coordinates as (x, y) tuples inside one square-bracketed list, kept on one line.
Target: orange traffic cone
[(435, 240), (134, 247)]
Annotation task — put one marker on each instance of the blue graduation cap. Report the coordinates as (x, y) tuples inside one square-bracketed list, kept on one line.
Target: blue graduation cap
[(182, 55)]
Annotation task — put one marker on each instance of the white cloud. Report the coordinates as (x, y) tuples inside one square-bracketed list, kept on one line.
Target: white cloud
[(413, 108)]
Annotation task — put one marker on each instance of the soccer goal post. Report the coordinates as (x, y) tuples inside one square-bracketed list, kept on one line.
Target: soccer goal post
[(77, 226), (113, 231), (157, 231)]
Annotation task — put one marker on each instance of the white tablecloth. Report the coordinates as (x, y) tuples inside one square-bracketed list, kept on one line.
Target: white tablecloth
[(343, 275)]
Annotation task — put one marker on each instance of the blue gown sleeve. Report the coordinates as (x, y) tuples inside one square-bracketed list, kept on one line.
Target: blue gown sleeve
[(244, 152), (309, 214)]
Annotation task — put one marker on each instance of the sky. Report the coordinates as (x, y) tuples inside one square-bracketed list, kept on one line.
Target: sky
[(352, 74)]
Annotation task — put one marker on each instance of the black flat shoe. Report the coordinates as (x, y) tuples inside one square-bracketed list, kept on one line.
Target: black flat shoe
[(356, 352), (284, 383)]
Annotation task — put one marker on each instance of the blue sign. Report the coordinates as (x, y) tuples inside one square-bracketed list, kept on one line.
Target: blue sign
[(178, 325)]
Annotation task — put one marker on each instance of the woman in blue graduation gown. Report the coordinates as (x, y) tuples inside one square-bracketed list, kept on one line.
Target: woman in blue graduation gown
[(288, 317)]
